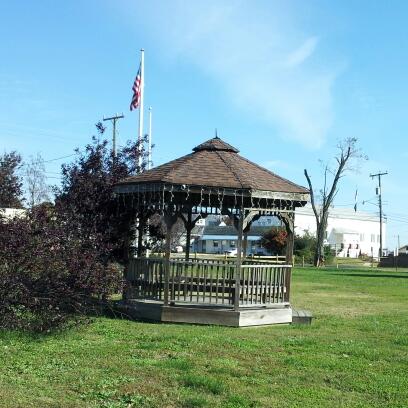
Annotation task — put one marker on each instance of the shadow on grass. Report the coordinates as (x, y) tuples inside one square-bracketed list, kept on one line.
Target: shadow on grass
[(371, 275)]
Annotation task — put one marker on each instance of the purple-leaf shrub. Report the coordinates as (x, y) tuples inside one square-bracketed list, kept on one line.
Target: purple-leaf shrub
[(49, 273)]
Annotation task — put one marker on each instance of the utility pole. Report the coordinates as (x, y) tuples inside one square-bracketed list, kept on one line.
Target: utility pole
[(113, 119), (379, 174), (397, 252)]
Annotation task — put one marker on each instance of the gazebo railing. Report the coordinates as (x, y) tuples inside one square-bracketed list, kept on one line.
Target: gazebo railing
[(248, 260), (201, 282), (210, 283), (264, 284)]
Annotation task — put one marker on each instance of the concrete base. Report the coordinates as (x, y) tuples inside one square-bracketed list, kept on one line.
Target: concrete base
[(201, 314), (301, 317)]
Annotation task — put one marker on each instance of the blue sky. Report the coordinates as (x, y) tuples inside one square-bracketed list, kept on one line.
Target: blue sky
[(281, 80)]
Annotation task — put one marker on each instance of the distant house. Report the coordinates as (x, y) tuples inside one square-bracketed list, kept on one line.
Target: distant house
[(403, 250), (219, 239)]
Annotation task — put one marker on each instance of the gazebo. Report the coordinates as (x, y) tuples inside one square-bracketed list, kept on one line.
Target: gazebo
[(213, 179)]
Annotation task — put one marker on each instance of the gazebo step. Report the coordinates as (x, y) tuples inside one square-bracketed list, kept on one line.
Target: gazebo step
[(301, 316), (222, 316)]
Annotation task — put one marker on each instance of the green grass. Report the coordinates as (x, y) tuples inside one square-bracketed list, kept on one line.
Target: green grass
[(355, 354)]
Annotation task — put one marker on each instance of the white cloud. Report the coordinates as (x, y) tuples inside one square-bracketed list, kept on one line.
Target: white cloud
[(258, 56), (274, 164), (302, 53)]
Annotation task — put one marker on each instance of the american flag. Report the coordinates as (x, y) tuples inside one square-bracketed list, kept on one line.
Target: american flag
[(136, 91)]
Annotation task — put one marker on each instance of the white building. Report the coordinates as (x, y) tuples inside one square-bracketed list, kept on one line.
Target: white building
[(9, 213), (350, 232)]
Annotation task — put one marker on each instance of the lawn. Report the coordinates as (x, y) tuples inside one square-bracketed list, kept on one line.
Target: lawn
[(355, 354)]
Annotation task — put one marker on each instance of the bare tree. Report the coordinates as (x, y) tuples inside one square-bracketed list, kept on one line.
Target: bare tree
[(37, 188), (345, 161)]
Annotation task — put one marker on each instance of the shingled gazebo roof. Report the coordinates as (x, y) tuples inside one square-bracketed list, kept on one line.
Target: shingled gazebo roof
[(217, 164)]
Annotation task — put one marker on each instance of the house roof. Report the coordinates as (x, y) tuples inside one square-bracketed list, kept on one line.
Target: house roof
[(345, 231), (338, 212), (216, 230), (216, 163)]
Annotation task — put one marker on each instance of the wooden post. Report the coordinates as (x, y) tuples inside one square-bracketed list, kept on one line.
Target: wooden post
[(140, 228), (189, 226), (167, 266), (288, 278), (239, 259), (127, 290), (170, 220), (245, 244), (288, 220), (290, 240)]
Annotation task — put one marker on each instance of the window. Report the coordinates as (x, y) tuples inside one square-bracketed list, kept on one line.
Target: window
[(362, 238), (215, 244), (372, 237), (232, 244)]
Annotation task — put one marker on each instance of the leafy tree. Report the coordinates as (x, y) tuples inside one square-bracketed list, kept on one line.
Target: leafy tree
[(305, 247), (347, 153), (86, 197), (274, 240), (58, 260), (10, 182), (49, 272)]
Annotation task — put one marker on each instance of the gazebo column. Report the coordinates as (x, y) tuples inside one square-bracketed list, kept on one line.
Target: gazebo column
[(242, 225), (245, 244), (140, 235), (239, 224), (127, 256), (169, 219), (189, 224), (288, 220), (252, 216)]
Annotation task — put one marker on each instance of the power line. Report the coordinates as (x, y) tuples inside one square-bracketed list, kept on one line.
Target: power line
[(59, 158), (50, 160)]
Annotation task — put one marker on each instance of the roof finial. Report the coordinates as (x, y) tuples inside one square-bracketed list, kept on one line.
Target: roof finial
[(216, 135)]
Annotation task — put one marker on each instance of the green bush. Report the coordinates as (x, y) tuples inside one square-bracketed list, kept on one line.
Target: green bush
[(305, 247)]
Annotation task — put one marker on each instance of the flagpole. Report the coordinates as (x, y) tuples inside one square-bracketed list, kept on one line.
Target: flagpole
[(140, 135), (149, 163), (149, 166)]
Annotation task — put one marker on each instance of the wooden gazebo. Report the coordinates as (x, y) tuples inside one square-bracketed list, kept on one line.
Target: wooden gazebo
[(214, 179)]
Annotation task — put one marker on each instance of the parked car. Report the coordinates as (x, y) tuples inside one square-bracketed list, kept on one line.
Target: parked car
[(178, 249), (232, 252)]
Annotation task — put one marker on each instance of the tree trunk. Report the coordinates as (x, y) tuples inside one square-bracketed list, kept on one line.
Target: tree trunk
[(320, 237)]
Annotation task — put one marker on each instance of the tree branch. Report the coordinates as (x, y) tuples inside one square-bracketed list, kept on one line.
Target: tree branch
[(312, 197)]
